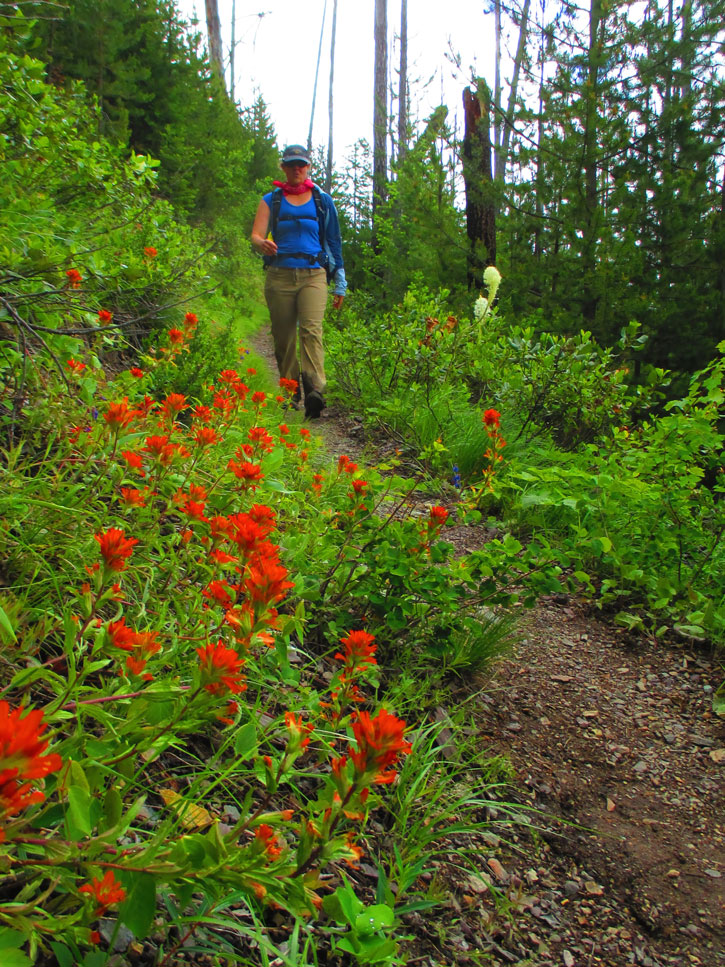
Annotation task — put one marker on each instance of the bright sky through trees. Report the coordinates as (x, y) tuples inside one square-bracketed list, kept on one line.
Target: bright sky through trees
[(277, 51)]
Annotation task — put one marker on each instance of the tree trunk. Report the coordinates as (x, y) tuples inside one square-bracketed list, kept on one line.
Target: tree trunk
[(214, 31), (380, 111), (499, 163), (590, 298), (328, 172), (232, 50), (477, 176), (317, 75), (508, 126), (403, 83), (539, 161)]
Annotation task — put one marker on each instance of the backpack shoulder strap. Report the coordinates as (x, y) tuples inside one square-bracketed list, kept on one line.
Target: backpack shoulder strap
[(274, 219), (317, 197)]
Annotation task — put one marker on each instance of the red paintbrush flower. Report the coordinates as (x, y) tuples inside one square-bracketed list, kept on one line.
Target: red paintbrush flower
[(22, 759), (491, 418), (221, 669), (267, 581), (122, 636), (116, 548), (118, 415), (105, 892), (132, 497), (265, 834), (359, 651), (438, 516), (134, 460), (379, 743)]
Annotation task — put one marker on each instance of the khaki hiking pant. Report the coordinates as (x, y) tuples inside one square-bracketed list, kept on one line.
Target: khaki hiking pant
[(298, 296)]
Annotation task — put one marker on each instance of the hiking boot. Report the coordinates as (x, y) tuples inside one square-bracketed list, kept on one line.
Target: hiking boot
[(314, 404)]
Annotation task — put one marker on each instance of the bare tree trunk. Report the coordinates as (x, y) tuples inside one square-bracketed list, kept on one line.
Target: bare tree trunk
[(477, 175), (497, 92), (403, 83), (232, 50), (380, 110), (328, 172), (508, 126), (539, 142), (214, 31), (591, 202), (686, 48), (317, 74)]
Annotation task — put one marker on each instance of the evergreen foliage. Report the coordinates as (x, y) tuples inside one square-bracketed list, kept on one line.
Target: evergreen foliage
[(157, 94)]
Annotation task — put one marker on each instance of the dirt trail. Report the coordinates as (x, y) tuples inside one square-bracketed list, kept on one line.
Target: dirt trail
[(612, 738)]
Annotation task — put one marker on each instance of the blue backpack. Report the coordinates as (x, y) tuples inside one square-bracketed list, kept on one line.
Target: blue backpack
[(322, 256)]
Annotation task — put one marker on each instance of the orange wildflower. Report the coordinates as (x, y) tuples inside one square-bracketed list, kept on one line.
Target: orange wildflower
[(22, 759), (221, 669), (379, 743), (106, 892), (116, 548)]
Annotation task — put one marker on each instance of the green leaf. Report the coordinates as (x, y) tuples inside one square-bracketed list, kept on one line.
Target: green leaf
[(11, 939), (138, 909), (16, 958), (79, 812), (62, 955), (112, 808), (374, 918), (8, 632), (246, 741)]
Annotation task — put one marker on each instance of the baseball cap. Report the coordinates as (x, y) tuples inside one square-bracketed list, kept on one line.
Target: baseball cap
[(295, 152)]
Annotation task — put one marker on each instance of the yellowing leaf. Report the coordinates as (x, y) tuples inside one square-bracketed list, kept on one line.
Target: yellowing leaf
[(190, 815)]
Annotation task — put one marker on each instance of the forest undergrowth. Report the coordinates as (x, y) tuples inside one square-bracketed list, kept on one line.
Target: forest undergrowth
[(230, 662)]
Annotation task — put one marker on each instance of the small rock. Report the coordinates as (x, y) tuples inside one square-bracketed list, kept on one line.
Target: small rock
[(718, 755), (641, 766), (495, 867), (702, 741), (568, 958), (593, 889), (715, 874), (571, 888)]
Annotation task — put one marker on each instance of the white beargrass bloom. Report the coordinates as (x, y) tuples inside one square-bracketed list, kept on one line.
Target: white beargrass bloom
[(492, 279), (480, 308)]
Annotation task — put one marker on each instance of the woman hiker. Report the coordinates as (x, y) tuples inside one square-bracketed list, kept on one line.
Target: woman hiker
[(297, 231)]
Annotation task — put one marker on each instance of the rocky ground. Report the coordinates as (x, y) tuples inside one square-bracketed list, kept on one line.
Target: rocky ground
[(619, 766)]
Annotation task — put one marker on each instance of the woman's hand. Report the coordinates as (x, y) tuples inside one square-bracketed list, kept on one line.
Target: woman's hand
[(337, 301), (259, 231), (267, 247)]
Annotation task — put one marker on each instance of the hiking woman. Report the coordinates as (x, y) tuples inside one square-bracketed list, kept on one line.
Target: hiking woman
[(297, 231)]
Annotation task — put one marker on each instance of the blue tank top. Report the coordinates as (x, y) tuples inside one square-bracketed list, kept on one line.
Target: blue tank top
[(297, 231)]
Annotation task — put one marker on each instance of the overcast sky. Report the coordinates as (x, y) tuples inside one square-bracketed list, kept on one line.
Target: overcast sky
[(277, 53)]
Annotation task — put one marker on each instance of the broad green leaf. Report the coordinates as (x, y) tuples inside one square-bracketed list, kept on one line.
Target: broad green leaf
[(63, 955), (138, 909), (112, 808), (78, 817), (374, 918), (245, 741), (10, 939)]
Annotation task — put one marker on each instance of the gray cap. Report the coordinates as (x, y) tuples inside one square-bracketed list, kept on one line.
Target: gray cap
[(295, 152)]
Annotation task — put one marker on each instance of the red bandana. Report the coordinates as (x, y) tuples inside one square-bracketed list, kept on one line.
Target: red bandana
[(294, 189)]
